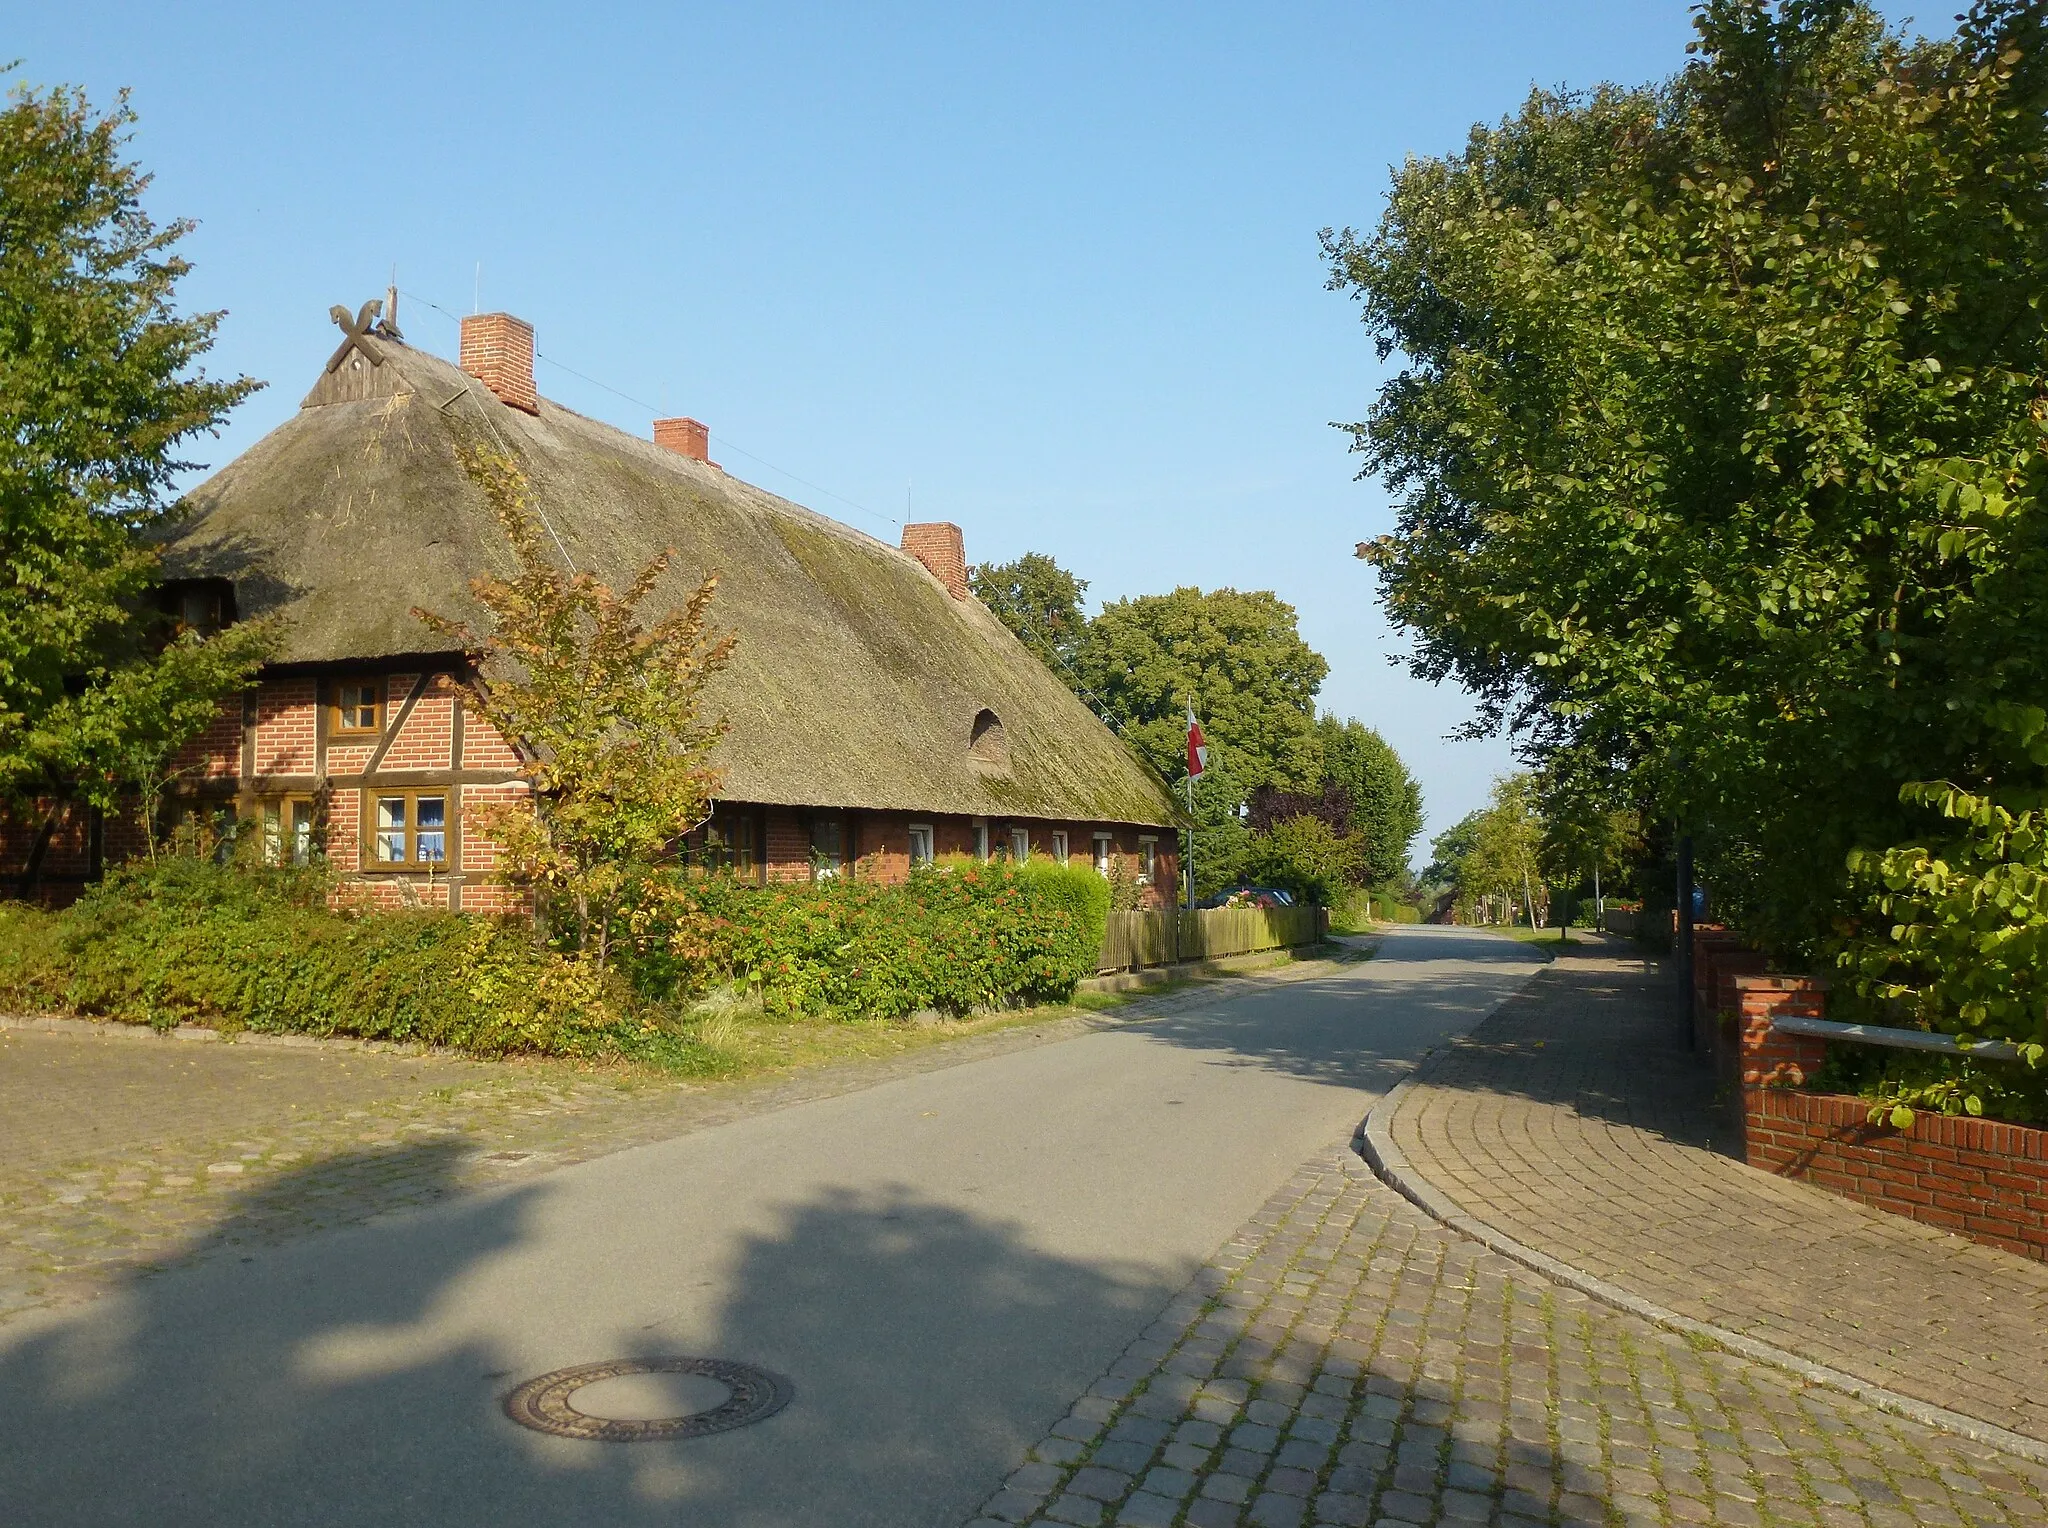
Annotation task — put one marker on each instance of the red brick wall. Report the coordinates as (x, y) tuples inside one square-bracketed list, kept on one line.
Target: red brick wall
[(483, 747), (881, 845), (480, 853), (284, 727), (344, 827), (788, 850), (1978, 1178), (219, 748)]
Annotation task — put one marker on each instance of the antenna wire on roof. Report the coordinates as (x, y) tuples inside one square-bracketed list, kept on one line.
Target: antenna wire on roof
[(726, 443)]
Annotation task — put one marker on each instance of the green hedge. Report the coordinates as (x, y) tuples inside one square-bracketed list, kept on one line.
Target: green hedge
[(238, 947), (235, 948), (955, 938)]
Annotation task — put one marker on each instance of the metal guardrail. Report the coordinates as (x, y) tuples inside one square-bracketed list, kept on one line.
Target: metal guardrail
[(1898, 1039)]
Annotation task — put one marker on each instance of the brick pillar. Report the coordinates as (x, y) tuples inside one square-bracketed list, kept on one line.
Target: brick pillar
[(1771, 1059), (497, 349), (940, 547), (1709, 942)]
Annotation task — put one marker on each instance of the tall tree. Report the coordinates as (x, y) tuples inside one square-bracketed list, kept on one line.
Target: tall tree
[(1253, 681), (1040, 601), (1241, 661), (1386, 801), (1448, 849), (1592, 832), (99, 387), (1503, 862), (1719, 403)]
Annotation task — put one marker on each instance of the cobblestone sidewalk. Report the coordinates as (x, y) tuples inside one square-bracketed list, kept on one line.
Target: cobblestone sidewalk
[(1576, 1122), (1345, 1360)]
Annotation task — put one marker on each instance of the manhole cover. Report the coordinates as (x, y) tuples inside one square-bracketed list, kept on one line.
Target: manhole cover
[(543, 1403)]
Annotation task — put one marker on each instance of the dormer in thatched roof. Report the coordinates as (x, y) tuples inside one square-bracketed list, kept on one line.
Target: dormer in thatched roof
[(861, 680)]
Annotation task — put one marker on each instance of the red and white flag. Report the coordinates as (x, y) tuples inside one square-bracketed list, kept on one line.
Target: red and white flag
[(1198, 747)]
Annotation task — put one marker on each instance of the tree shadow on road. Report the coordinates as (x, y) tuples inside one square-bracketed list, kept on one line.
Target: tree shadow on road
[(357, 1376)]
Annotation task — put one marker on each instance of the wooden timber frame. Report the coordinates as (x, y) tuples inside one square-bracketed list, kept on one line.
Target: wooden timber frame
[(248, 788)]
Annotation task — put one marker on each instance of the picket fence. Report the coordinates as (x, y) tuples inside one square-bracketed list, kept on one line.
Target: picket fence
[(1148, 938)]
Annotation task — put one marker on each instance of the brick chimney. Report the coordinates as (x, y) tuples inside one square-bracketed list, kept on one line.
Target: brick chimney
[(685, 437), (938, 545), (497, 349)]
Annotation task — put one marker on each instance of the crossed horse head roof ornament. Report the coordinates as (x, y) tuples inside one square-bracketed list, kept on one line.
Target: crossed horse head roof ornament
[(363, 326)]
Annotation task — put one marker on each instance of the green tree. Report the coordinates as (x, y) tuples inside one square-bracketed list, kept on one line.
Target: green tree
[(1304, 855), (1447, 852), (1253, 682), (1503, 864), (1591, 832), (606, 711), (99, 387), (1717, 418), (1238, 657), (1040, 601), (1386, 801)]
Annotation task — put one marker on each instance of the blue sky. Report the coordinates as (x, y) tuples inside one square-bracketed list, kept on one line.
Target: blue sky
[(1050, 272)]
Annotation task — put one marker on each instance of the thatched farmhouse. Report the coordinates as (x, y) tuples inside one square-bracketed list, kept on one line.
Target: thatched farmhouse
[(879, 715)]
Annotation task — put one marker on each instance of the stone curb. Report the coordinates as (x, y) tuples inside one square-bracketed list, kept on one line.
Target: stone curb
[(1375, 1143), (199, 1034)]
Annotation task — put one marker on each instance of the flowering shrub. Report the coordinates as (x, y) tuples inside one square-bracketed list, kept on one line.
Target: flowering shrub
[(953, 938)]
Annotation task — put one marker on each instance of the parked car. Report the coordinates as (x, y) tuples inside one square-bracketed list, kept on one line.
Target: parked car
[(1250, 896)]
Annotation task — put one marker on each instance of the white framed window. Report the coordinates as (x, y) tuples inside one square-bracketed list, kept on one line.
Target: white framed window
[(920, 844), (1102, 841), (1059, 847), (289, 836), (1020, 844), (980, 839), (408, 828), (1148, 859), (359, 706)]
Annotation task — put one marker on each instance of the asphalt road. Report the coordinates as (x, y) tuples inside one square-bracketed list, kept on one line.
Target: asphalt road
[(939, 1264)]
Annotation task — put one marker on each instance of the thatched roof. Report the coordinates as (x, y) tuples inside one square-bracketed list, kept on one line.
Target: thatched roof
[(857, 680)]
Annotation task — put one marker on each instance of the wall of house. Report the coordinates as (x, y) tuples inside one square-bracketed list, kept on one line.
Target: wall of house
[(282, 741), (880, 845)]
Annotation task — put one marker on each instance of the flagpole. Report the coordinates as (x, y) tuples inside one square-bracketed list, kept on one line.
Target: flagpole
[(1190, 894)]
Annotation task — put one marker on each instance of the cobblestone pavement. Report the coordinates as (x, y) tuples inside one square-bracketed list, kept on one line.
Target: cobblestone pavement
[(120, 1150), (1576, 1122), (1346, 1360)]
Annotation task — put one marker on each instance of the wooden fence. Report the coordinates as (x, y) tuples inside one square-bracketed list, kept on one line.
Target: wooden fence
[(1624, 921), (1136, 939)]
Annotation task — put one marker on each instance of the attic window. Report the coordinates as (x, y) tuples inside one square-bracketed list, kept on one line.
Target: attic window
[(202, 605), (986, 743)]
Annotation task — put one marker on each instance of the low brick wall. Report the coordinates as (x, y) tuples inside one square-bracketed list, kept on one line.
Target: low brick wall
[(1978, 1178)]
